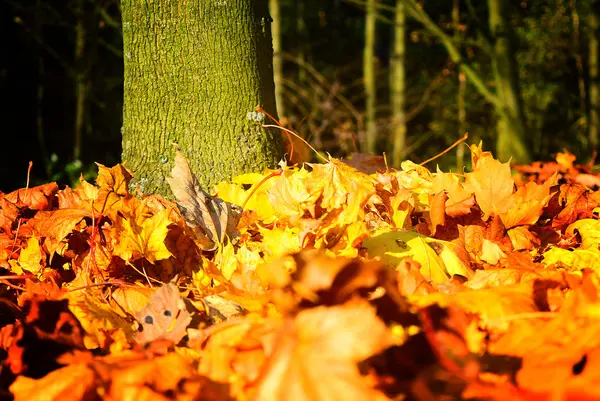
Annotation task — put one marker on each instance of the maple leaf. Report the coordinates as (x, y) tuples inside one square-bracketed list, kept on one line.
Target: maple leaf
[(525, 206), (478, 154), (116, 179), (143, 237), (290, 195), (341, 186), (56, 225), (450, 184), (491, 182), (316, 354), (36, 198)]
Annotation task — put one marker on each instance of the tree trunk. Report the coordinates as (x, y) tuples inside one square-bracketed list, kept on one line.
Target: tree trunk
[(194, 72), (302, 36), (593, 70), (462, 87), (80, 77), (369, 76), (275, 9), (512, 131), (398, 84), (576, 37)]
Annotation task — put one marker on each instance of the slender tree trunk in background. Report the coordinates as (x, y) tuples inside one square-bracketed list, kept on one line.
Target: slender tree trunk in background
[(462, 87), (275, 9), (398, 84), (39, 120), (578, 58), (369, 76), (194, 72), (593, 21), (80, 78), (302, 39), (512, 131)]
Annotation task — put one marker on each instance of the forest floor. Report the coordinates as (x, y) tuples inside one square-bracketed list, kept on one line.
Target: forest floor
[(321, 282)]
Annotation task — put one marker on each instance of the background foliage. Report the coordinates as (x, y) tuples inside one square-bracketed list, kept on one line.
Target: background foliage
[(62, 68)]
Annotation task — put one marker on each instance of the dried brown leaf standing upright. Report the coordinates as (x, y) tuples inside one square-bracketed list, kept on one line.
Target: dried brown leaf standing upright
[(164, 317), (211, 218)]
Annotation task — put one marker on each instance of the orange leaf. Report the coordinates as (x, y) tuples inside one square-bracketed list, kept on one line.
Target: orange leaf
[(491, 182), (317, 353)]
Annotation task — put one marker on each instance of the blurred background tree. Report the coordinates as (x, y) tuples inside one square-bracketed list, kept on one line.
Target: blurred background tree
[(437, 69)]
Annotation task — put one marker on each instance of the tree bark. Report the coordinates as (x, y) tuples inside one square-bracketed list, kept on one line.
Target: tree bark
[(369, 76), (512, 131), (398, 84), (194, 72)]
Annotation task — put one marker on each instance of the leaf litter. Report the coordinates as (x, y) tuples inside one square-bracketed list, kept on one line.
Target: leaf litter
[(329, 284)]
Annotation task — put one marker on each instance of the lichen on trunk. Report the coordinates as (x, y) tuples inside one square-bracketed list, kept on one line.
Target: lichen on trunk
[(194, 72)]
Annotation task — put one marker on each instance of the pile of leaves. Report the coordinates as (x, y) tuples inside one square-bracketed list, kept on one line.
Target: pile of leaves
[(318, 282)]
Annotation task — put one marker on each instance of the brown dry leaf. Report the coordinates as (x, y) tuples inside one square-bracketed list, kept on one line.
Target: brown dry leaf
[(366, 163), (212, 218), (576, 202), (316, 353)]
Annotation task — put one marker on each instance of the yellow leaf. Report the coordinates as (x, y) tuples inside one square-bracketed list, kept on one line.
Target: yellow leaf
[(393, 246), (143, 237), (235, 193), (98, 318), (576, 260), (342, 186), (289, 195), (30, 258), (451, 184), (491, 252), (403, 203), (491, 304), (279, 241), (589, 229)]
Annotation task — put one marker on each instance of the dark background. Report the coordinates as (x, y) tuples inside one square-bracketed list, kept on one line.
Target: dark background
[(38, 71)]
